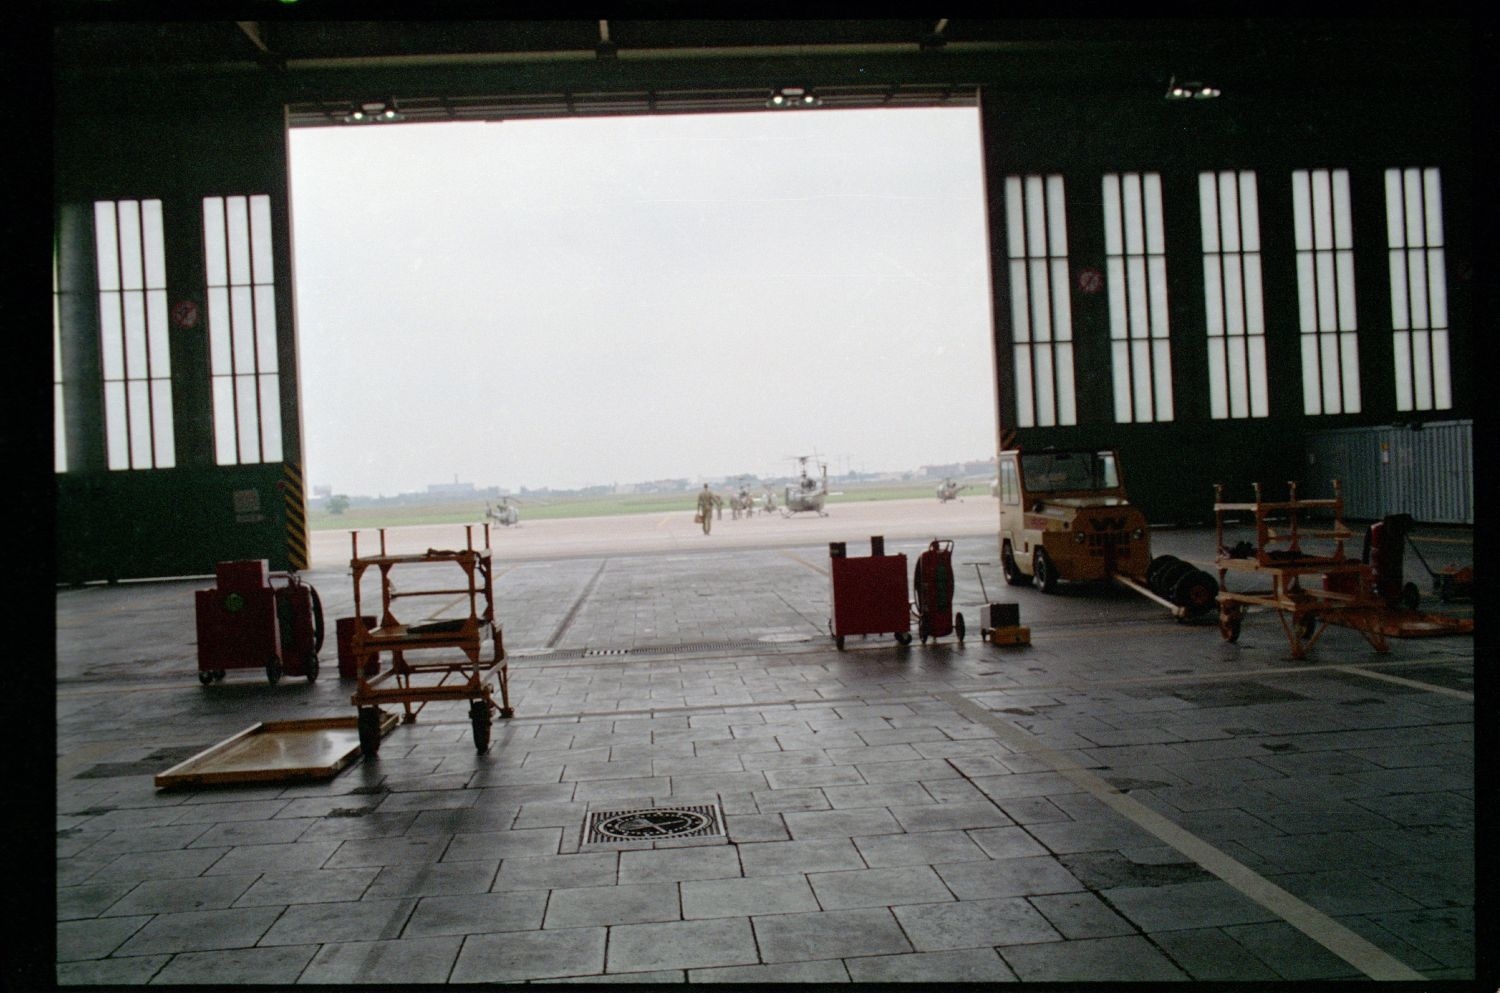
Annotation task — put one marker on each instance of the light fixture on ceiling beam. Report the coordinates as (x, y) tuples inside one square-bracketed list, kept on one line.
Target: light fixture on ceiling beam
[(935, 40), (1191, 91), (792, 96), (606, 49), (373, 112)]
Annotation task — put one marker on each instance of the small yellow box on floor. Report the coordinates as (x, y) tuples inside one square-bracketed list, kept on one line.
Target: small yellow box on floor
[(1010, 636)]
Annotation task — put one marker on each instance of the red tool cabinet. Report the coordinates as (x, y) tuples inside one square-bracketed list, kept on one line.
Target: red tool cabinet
[(869, 594)]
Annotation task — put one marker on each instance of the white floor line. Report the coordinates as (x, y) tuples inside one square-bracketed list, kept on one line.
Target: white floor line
[(1429, 687), (1358, 952)]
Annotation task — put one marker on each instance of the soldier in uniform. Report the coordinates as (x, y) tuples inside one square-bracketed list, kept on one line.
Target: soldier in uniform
[(706, 508)]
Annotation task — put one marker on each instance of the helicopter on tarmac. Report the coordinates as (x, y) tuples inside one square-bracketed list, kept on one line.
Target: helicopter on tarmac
[(506, 513), (805, 495), (949, 489)]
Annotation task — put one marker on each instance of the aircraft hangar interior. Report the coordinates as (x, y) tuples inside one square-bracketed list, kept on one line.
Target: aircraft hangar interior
[(1232, 251)]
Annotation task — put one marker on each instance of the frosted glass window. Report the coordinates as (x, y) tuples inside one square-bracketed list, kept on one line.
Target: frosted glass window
[(1041, 311), (1136, 270), (130, 262), (1233, 305), (242, 343), (1323, 231), (1419, 289)]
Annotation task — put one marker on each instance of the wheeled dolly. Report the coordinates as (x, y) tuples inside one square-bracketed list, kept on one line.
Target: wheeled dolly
[(933, 582)]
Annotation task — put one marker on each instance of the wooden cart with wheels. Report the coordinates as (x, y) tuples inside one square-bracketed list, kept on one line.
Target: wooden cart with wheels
[(460, 673), (1343, 595)]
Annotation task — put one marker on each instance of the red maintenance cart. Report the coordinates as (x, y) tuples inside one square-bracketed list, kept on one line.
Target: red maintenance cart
[(933, 582), (247, 621), (869, 594)]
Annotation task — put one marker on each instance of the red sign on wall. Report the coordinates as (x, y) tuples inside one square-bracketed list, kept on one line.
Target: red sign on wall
[(1090, 281), (185, 314)]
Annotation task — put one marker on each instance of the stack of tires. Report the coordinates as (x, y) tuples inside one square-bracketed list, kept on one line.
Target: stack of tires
[(1183, 583)]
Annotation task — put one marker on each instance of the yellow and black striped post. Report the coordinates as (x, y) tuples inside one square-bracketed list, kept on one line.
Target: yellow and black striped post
[(296, 516)]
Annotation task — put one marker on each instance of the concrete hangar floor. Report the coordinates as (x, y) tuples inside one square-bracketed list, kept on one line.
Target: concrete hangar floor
[(1128, 798)]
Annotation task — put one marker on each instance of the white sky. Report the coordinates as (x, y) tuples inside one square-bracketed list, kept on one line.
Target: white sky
[(574, 302)]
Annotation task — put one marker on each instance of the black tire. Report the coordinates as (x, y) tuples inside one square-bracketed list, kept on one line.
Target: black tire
[(1043, 571), (1169, 575), (1156, 566), (317, 612), (958, 627), (273, 669), (1411, 596), (310, 666), (369, 731), (1013, 575), (904, 637), (205, 676), (838, 642), (479, 714), (922, 628), (1196, 592)]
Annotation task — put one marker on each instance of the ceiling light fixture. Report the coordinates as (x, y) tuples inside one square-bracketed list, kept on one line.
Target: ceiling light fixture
[(792, 96), (373, 111), (1191, 91)]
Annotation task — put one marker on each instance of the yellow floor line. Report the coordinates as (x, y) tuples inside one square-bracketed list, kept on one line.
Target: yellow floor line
[(1347, 945)]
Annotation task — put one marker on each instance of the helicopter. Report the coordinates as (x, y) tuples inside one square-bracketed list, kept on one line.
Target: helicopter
[(949, 489), (506, 513), (805, 495)]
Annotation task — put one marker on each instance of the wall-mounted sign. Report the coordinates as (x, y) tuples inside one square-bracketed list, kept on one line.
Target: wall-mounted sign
[(1090, 281), (185, 314)]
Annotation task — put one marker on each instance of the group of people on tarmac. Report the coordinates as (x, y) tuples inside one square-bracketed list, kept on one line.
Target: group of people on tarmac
[(711, 505)]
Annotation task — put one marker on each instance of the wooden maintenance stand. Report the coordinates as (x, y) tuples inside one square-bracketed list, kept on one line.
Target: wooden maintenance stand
[(1279, 555), (411, 682)]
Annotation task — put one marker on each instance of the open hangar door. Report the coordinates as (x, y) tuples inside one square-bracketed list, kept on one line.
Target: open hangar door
[(642, 297)]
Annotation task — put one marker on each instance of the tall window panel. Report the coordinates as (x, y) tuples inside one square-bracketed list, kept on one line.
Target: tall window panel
[(1325, 291), (131, 266), (59, 426), (1232, 294), (1419, 289), (1136, 255), (242, 329), (1040, 309)]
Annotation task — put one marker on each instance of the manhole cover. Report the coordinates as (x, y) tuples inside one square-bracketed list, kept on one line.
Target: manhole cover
[(653, 823)]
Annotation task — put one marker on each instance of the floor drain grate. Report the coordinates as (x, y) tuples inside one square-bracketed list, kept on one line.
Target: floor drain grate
[(591, 652), (653, 823)]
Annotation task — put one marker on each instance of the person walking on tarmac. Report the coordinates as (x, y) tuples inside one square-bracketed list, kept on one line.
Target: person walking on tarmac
[(706, 507)]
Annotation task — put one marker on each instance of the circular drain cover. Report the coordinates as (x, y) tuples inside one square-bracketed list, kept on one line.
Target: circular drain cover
[(653, 823)]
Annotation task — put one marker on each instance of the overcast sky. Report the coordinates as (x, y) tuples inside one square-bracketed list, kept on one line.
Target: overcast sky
[(574, 302)]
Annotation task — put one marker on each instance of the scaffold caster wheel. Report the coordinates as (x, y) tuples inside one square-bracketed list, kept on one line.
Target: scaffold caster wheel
[(838, 642), (273, 670), (205, 677), (369, 731), (479, 714), (310, 667), (904, 637), (958, 627), (922, 628), (1229, 625)]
